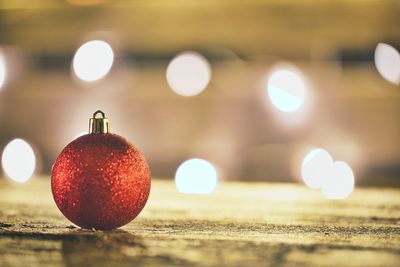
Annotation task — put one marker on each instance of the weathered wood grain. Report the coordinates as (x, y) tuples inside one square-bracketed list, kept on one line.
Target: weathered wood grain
[(241, 224)]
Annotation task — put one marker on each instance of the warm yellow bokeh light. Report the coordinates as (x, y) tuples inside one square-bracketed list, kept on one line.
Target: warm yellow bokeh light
[(18, 160), (93, 60), (86, 2), (286, 90), (340, 183), (387, 62), (196, 176), (3, 70), (316, 167), (188, 74)]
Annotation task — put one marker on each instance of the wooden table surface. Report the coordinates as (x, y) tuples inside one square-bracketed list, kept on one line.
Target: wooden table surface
[(240, 224)]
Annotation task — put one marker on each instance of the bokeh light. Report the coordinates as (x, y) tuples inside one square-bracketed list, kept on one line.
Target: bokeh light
[(286, 90), (316, 168), (387, 62), (188, 74), (340, 183), (18, 160), (196, 176), (3, 70), (86, 2), (93, 60)]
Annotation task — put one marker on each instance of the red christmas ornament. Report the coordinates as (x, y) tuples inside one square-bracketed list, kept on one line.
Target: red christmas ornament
[(100, 180)]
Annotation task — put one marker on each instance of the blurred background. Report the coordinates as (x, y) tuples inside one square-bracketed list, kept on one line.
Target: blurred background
[(249, 86)]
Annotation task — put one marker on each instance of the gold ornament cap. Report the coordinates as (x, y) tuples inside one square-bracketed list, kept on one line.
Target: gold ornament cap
[(99, 125)]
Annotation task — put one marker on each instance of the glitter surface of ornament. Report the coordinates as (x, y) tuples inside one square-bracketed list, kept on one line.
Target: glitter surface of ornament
[(100, 181)]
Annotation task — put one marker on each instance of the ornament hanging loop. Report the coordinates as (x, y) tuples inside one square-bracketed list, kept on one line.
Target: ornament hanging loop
[(99, 125), (99, 112)]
